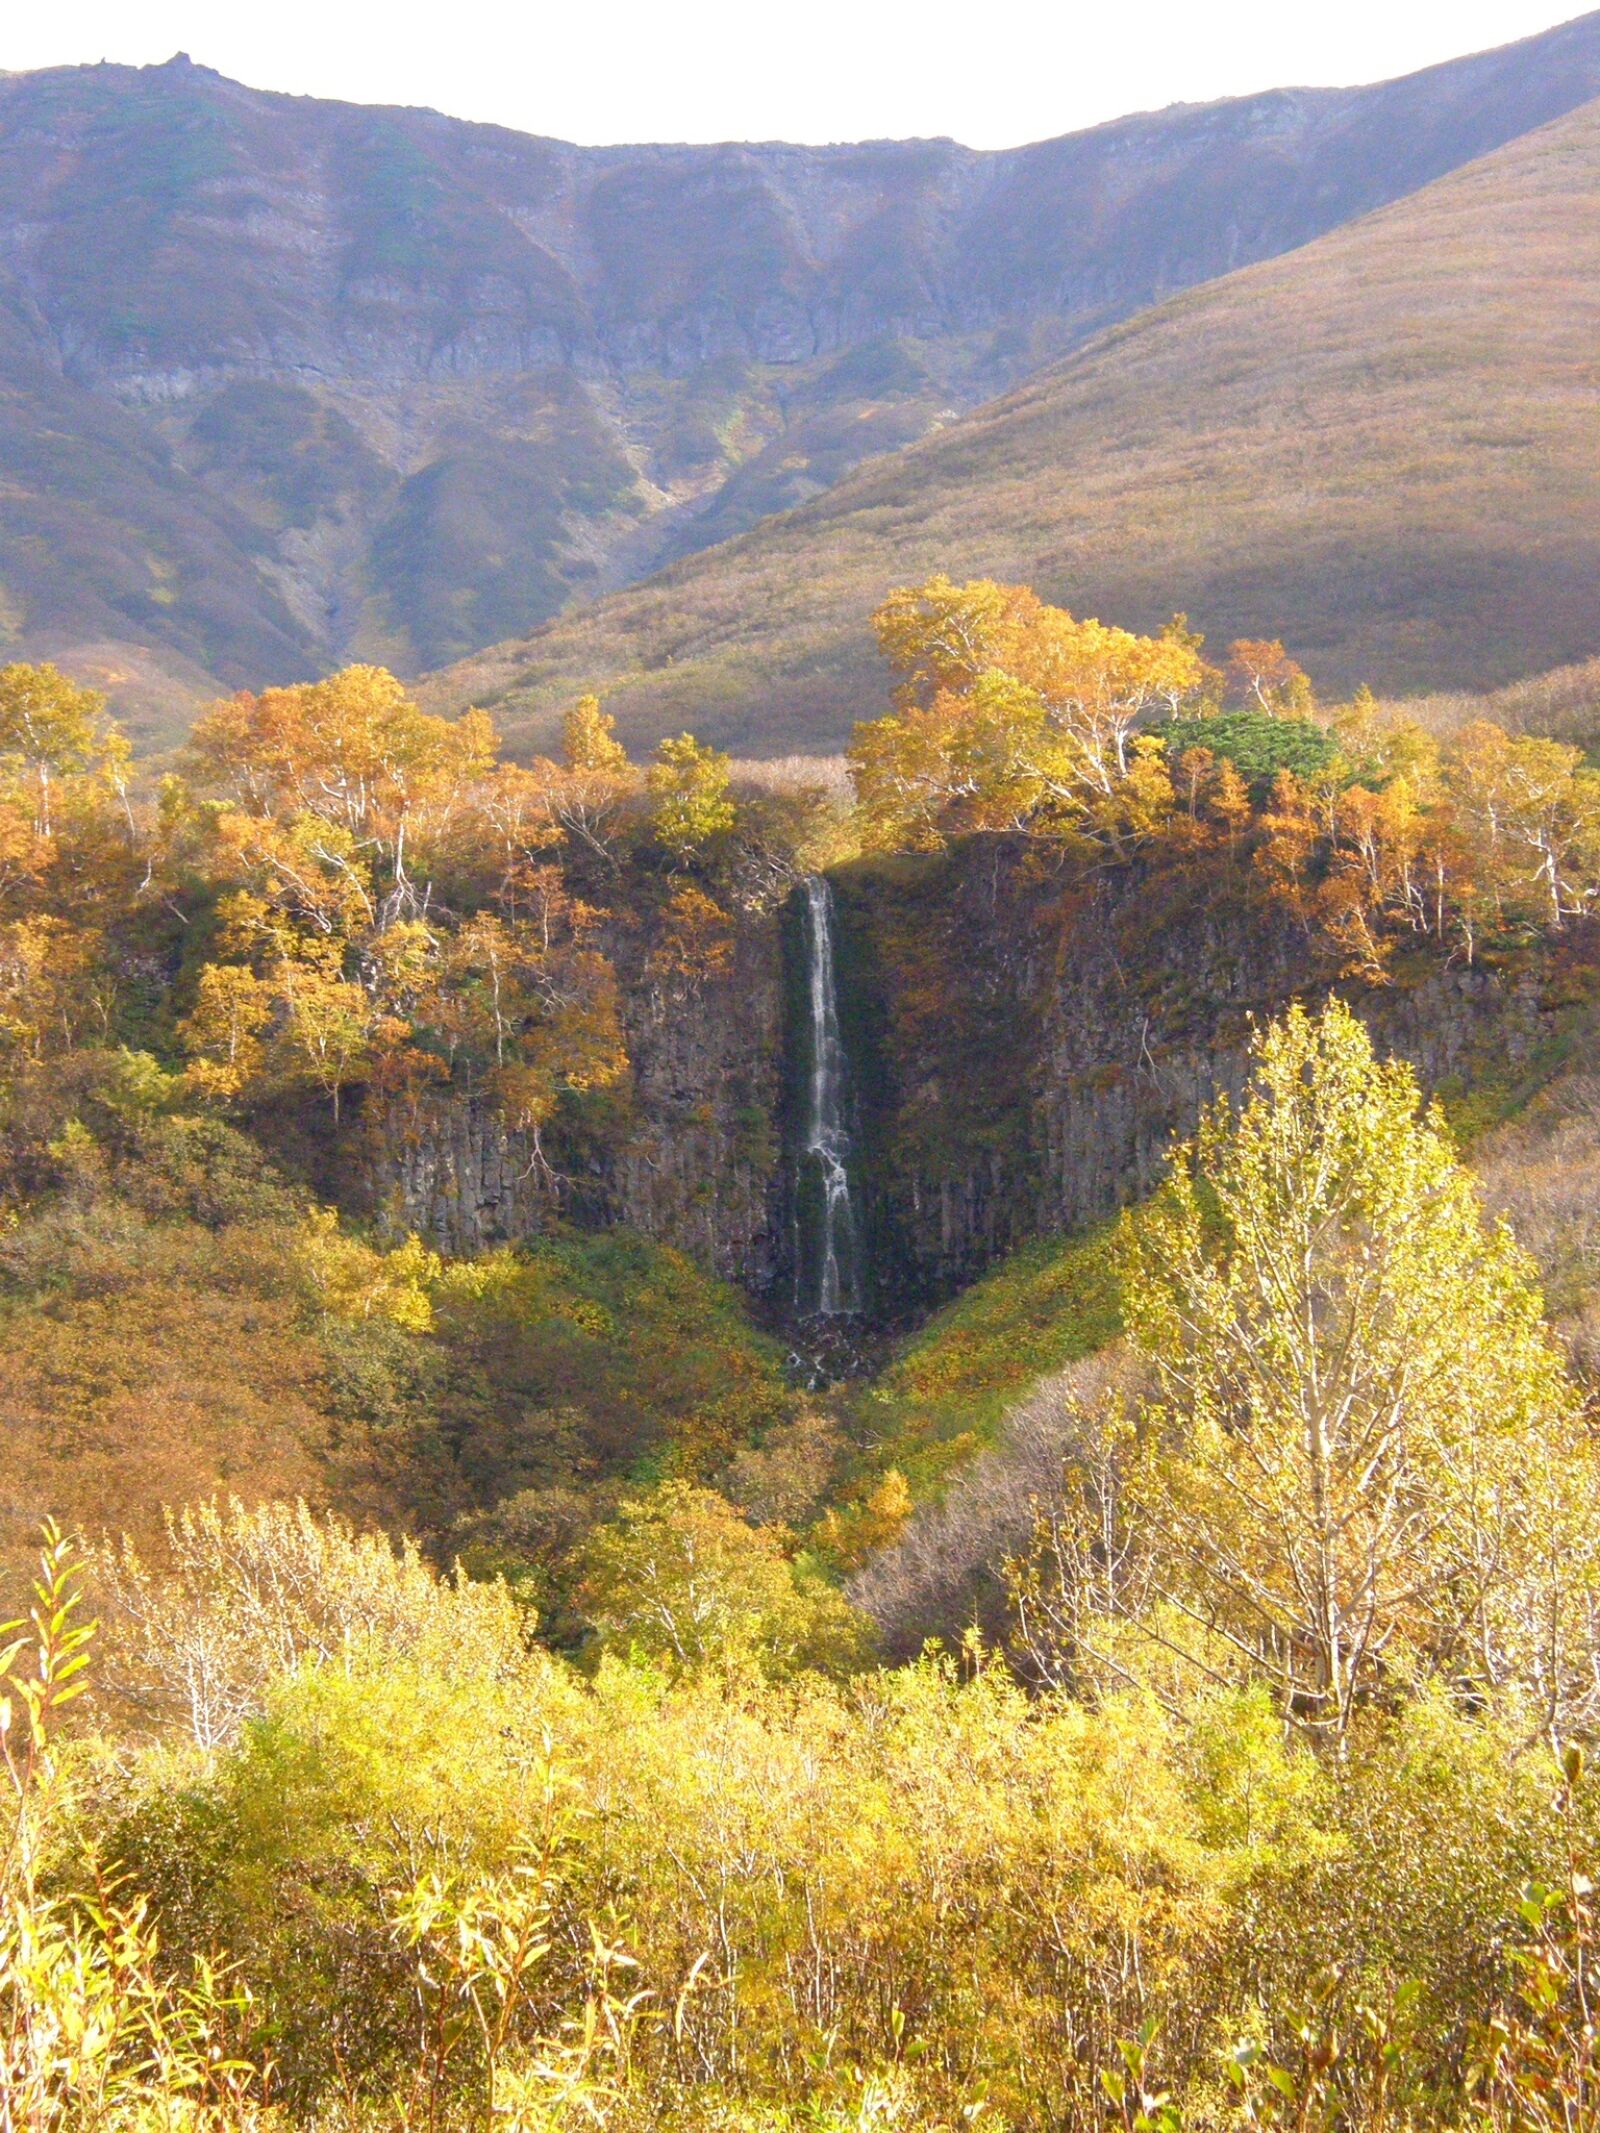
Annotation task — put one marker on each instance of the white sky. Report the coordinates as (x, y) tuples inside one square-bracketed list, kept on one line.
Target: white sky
[(991, 72)]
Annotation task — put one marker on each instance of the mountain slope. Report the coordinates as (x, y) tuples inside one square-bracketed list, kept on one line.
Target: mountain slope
[(362, 382), (1382, 447)]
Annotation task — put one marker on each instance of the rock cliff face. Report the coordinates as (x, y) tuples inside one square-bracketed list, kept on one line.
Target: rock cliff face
[(285, 382), (689, 1152), (1020, 1054), (1076, 1032)]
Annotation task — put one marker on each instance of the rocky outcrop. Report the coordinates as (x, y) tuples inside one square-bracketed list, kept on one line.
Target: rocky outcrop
[(1079, 1029)]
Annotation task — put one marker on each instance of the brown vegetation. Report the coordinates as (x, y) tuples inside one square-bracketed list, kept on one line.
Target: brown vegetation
[(1378, 449), (449, 379)]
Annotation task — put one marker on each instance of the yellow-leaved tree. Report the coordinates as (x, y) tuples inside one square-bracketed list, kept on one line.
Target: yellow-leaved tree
[(1363, 1464), (691, 804), (680, 1577), (1011, 714)]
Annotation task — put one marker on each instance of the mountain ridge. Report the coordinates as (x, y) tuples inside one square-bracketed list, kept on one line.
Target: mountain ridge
[(1377, 447), (364, 382)]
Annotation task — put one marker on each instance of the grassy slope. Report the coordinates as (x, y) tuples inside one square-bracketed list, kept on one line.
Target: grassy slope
[(951, 1383), (1381, 447), (169, 1328)]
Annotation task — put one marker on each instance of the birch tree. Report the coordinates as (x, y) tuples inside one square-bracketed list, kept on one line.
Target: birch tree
[(1360, 1428)]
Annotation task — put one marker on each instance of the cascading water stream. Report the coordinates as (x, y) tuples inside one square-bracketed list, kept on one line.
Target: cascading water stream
[(828, 1274)]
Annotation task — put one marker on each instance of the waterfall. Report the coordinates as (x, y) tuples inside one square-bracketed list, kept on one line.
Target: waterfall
[(827, 1262)]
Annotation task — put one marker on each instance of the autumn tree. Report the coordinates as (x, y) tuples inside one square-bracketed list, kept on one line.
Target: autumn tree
[(1011, 714), (53, 733), (597, 789), (582, 804), (56, 991), (1361, 1432), (691, 803), (238, 1595), (679, 1575), (354, 756), (300, 1020), (328, 806), (1261, 675), (70, 869), (589, 740), (327, 813), (223, 1031), (1535, 807), (695, 942), (328, 1024), (535, 1005)]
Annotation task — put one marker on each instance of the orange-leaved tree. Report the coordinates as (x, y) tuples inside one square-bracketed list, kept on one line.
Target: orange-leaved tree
[(1015, 714)]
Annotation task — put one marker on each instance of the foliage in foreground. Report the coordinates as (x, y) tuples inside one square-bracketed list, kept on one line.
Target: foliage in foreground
[(470, 1890), (1363, 1463), (1286, 1834)]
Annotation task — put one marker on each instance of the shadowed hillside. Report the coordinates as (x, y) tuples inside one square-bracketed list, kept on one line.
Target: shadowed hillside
[(1381, 448), (285, 382)]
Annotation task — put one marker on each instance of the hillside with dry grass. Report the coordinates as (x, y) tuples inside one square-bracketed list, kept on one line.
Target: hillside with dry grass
[(286, 383), (1381, 447)]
